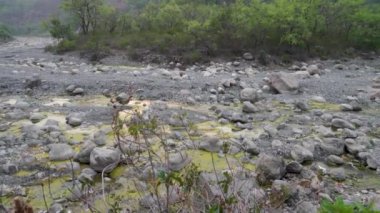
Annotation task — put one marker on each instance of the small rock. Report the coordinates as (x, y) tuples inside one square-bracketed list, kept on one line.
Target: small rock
[(294, 167), (78, 91), (333, 160), (123, 98), (248, 107), (338, 174), (340, 67), (100, 138), (346, 107), (248, 56)]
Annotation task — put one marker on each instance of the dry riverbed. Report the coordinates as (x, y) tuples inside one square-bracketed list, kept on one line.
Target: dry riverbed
[(288, 135)]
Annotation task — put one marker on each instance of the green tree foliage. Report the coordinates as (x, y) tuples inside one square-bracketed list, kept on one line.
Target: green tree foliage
[(59, 30), (85, 12), (5, 35), (207, 27)]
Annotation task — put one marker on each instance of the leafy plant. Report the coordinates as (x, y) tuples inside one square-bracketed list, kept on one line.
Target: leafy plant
[(339, 206)]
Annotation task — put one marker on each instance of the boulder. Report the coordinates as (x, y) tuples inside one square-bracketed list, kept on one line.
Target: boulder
[(269, 168), (251, 147), (211, 144), (60, 152), (87, 175), (248, 56), (36, 117), (249, 94), (248, 107), (294, 167), (353, 147), (373, 159), (338, 174), (283, 82), (104, 159), (314, 69), (301, 154), (74, 119), (100, 138), (340, 123), (333, 160)]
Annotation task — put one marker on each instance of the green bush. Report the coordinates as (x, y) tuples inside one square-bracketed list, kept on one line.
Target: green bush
[(65, 46), (58, 30), (5, 35), (178, 27), (340, 207)]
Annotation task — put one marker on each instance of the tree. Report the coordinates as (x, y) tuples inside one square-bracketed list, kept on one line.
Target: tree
[(86, 12)]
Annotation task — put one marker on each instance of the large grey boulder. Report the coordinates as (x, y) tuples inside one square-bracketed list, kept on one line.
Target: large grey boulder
[(301, 154), (249, 94), (60, 152), (283, 82), (269, 168), (104, 159), (341, 123), (74, 119), (373, 159), (36, 117), (211, 144)]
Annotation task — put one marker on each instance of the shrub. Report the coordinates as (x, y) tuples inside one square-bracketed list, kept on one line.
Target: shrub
[(65, 46), (58, 30), (339, 206), (5, 35)]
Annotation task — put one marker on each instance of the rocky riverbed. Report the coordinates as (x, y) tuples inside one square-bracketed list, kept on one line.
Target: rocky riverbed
[(289, 135)]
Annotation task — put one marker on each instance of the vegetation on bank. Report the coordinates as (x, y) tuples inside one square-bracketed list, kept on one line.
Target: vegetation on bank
[(5, 34), (339, 206), (200, 28)]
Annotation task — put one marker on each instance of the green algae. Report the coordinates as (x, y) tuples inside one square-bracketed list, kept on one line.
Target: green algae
[(324, 106), (53, 190), (368, 182), (213, 128), (24, 173), (117, 172), (204, 160)]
